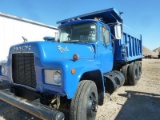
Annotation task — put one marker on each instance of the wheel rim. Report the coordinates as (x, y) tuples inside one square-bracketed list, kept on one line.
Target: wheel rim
[(92, 106)]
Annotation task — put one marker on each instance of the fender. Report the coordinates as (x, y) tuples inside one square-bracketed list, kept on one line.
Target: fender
[(71, 82)]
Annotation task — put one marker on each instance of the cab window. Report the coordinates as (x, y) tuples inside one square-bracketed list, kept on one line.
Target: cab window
[(105, 35)]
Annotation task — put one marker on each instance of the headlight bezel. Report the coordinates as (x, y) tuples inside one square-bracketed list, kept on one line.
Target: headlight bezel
[(51, 77)]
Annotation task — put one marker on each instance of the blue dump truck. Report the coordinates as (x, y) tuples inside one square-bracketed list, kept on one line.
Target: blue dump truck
[(92, 55)]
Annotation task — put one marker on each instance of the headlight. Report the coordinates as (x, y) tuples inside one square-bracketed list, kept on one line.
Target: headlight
[(53, 77), (2, 70), (57, 77)]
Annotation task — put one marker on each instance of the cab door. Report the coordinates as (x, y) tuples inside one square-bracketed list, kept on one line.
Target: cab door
[(105, 50)]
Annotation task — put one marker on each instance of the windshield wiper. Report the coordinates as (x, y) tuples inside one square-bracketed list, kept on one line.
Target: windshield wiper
[(76, 41), (71, 41)]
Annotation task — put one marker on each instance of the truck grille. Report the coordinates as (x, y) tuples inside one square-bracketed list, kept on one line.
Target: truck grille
[(23, 69)]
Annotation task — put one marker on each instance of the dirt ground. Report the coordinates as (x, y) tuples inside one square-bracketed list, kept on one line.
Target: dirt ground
[(140, 102)]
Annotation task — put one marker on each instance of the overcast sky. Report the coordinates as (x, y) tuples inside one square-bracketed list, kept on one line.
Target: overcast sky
[(140, 16)]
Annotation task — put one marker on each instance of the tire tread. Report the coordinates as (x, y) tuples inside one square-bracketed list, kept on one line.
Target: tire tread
[(77, 102)]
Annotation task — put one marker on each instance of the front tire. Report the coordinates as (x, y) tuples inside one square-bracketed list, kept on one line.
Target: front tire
[(85, 102)]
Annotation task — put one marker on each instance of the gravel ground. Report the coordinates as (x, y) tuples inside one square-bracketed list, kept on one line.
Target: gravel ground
[(140, 102)]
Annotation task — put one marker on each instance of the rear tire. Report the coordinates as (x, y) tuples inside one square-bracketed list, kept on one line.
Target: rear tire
[(139, 67), (124, 70), (85, 102), (133, 74)]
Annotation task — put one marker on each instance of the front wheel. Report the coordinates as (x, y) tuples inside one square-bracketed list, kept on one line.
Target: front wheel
[(85, 102)]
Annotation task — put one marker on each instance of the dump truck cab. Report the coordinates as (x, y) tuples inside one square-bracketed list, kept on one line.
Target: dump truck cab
[(98, 30), (91, 33)]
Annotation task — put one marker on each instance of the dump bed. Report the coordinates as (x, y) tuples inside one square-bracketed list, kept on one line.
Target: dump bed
[(129, 48), (107, 15)]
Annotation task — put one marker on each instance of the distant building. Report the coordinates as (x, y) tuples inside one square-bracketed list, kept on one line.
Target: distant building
[(13, 28)]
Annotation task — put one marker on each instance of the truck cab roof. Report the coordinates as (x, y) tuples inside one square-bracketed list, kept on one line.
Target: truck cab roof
[(107, 16)]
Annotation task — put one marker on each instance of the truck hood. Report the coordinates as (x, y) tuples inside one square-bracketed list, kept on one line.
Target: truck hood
[(50, 51), (64, 51)]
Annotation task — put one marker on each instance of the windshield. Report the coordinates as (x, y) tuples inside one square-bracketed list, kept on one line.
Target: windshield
[(78, 33)]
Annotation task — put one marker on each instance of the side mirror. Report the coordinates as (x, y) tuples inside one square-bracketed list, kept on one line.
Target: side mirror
[(118, 31)]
